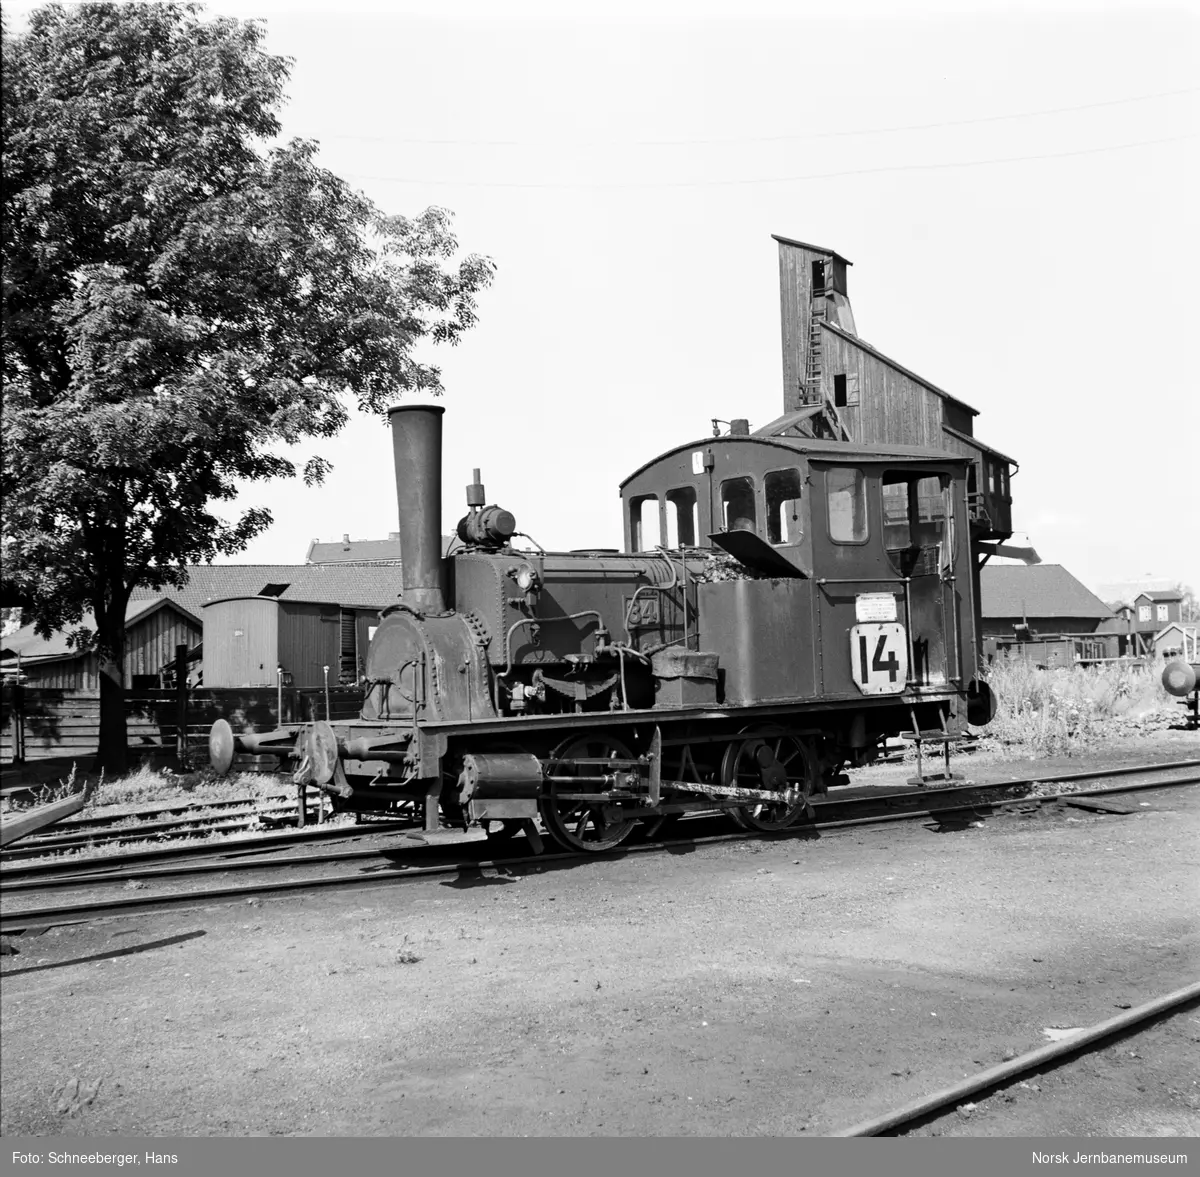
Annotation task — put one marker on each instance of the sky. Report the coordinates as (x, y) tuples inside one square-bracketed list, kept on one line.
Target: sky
[(1013, 187)]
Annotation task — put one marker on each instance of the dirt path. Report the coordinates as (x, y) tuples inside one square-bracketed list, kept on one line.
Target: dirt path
[(739, 989)]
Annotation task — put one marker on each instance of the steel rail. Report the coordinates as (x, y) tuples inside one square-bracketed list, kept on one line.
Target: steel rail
[(263, 843), (35, 847), (270, 841), (108, 866), (150, 831), (1054, 1053), (183, 807), (83, 912)]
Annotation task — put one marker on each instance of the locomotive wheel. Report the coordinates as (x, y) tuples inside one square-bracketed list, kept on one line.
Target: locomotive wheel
[(578, 825), (740, 769)]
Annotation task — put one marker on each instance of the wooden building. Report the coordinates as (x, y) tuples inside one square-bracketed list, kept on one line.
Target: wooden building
[(836, 385), (249, 640), (153, 628), (1152, 610), (1179, 639), (1043, 599)]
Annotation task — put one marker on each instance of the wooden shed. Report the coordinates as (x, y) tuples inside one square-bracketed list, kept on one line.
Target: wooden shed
[(247, 640), (153, 628), (838, 386)]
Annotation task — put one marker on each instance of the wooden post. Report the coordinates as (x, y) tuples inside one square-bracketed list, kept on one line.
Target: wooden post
[(181, 705), (18, 718)]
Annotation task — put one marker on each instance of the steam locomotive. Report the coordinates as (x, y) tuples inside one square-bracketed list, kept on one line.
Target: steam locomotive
[(783, 606)]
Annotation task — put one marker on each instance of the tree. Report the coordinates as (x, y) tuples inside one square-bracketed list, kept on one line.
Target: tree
[(1190, 606), (181, 297)]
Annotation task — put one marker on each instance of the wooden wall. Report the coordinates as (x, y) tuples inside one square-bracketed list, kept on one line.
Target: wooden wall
[(66, 724), (893, 407), (997, 495), (149, 647), (795, 309), (150, 641), (241, 642), (310, 638)]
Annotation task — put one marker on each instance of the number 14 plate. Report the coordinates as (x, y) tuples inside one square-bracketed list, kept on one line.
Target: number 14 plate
[(879, 657)]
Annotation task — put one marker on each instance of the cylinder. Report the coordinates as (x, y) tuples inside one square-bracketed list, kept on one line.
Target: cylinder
[(417, 449), (492, 775)]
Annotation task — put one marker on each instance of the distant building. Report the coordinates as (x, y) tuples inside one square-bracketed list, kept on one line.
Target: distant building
[(154, 626), (357, 551), (1155, 609), (1178, 640), (1039, 598), (362, 551), (159, 619)]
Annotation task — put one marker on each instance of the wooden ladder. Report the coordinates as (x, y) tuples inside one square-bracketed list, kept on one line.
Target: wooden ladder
[(813, 394)]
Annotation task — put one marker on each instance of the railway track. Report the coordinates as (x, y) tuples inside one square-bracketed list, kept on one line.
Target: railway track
[(403, 863), (77, 833), (35, 847), (902, 1119)]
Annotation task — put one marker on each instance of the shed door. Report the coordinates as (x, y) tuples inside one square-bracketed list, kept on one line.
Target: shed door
[(918, 514)]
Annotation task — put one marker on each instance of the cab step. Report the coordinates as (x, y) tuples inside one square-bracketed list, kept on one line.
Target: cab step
[(919, 737)]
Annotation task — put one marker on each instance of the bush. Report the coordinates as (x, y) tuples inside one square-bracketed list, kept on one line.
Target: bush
[(1064, 711)]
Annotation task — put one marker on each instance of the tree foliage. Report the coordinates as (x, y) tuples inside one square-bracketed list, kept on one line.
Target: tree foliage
[(182, 294)]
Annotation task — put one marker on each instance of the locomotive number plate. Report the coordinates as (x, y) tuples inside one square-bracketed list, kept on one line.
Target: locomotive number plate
[(879, 657)]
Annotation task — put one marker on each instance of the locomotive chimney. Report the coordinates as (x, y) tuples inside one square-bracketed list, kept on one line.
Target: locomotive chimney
[(417, 448)]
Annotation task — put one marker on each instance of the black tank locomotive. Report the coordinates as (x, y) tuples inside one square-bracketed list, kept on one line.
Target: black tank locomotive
[(783, 606)]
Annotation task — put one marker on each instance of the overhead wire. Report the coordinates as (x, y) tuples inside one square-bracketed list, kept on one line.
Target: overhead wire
[(780, 138), (738, 181)]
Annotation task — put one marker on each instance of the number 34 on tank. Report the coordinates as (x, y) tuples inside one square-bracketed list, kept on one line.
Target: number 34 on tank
[(879, 657)]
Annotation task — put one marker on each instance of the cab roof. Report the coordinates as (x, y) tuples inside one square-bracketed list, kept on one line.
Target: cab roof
[(812, 447)]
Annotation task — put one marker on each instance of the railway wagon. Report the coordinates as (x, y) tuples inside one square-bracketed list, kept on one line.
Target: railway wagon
[(784, 605)]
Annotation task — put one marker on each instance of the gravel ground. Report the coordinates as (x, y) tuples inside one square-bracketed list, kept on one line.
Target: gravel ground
[(746, 988)]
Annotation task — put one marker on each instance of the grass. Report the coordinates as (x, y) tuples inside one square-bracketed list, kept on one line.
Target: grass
[(1071, 710), (146, 787)]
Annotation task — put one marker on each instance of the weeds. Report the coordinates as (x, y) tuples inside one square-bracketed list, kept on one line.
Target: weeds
[(1066, 711)]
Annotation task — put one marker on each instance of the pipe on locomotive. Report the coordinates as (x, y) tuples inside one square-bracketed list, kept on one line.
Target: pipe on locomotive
[(417, 451)]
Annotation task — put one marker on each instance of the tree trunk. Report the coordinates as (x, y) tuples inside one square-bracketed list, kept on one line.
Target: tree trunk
[(112, 756)]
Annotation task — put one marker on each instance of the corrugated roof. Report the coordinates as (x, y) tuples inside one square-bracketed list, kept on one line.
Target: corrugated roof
[(1037, 590)]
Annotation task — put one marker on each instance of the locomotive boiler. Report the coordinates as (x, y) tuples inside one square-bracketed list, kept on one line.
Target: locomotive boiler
[(783, 605)]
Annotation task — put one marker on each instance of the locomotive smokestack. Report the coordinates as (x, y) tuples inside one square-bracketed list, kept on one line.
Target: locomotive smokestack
[(417, 447)]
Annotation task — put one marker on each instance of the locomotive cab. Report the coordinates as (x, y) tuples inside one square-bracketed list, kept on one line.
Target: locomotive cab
[(833, 572)]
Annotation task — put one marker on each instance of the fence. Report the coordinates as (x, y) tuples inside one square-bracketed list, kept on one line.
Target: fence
[(40, 724)]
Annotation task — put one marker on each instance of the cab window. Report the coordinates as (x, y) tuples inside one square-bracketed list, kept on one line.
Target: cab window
[(783, 506), (737, 505), (645, 532), (683, 517), (915, 521), (846, 496)]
